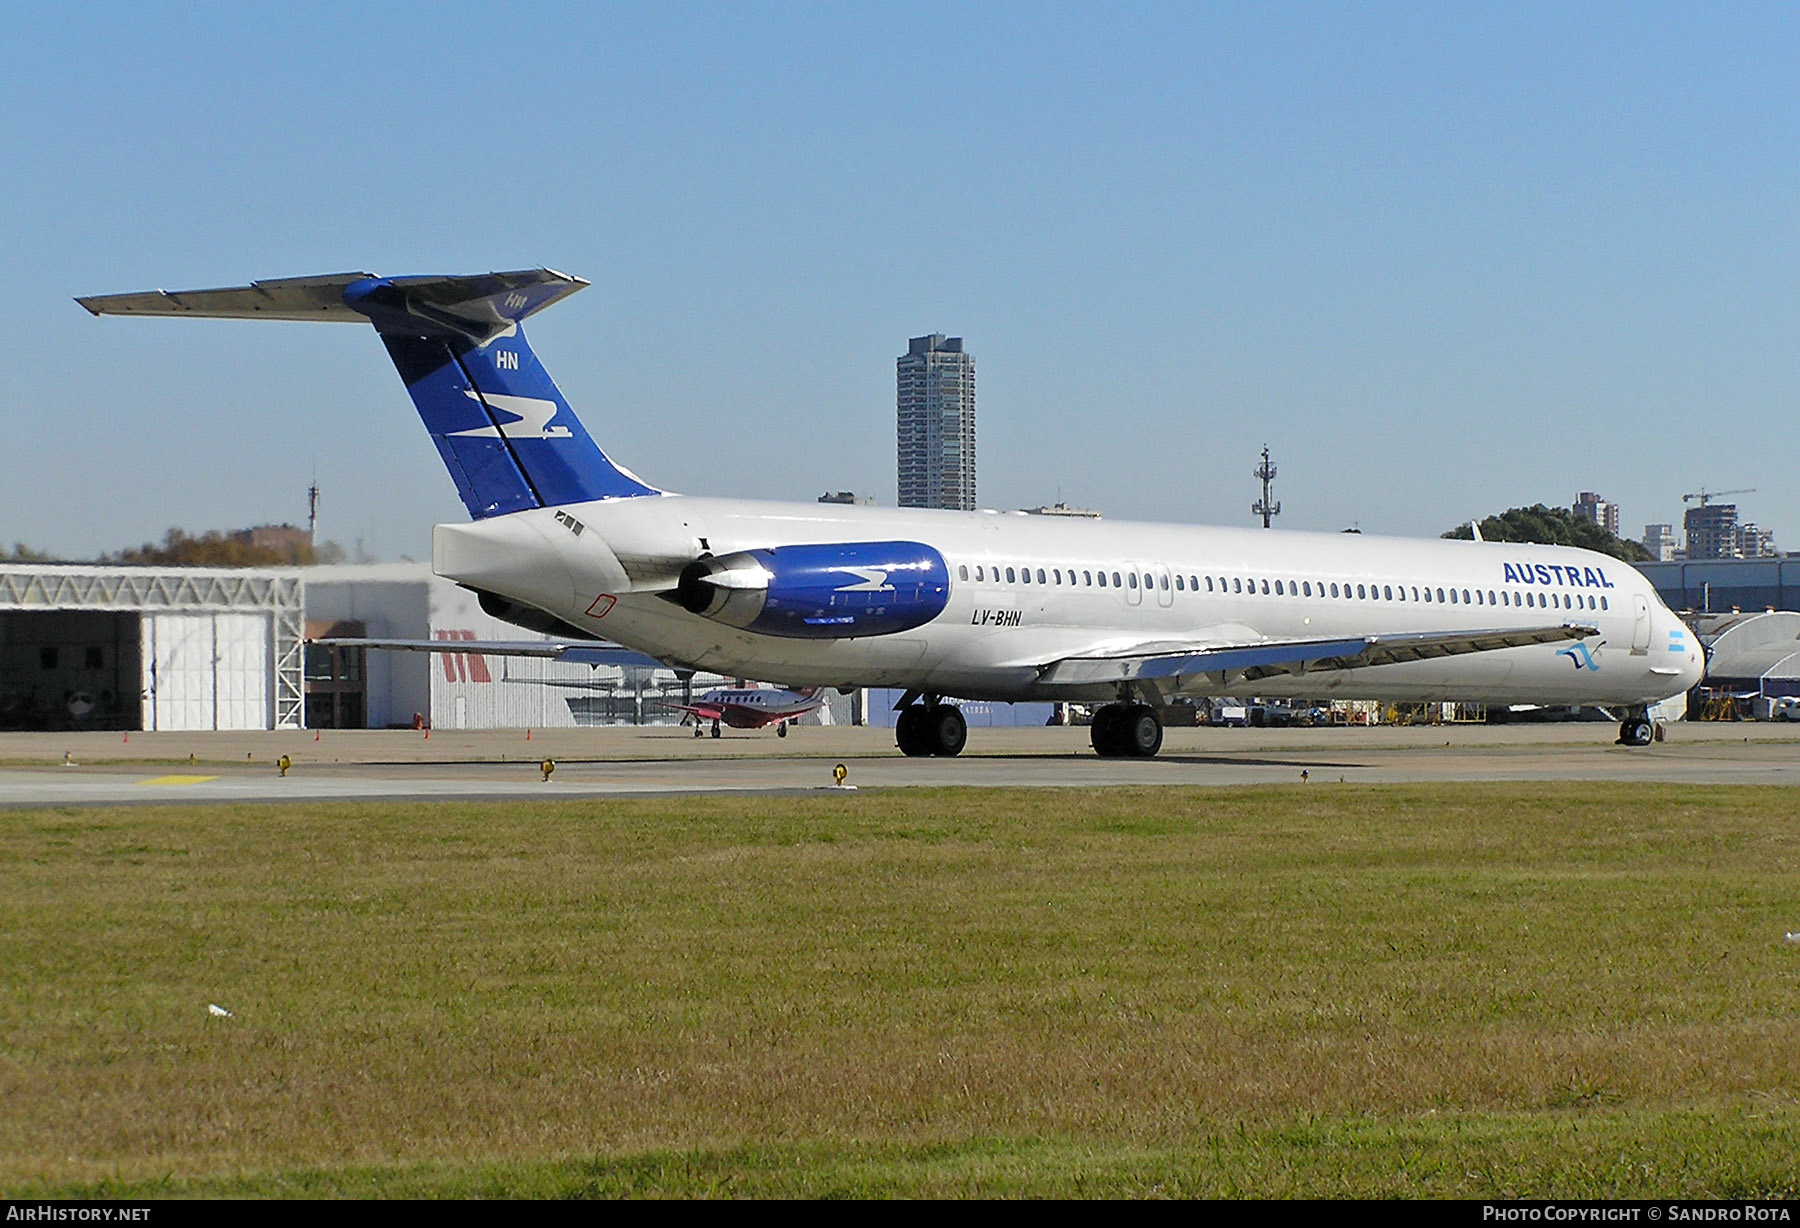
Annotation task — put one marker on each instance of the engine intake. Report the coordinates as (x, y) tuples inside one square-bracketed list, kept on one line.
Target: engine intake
[(820, 592)]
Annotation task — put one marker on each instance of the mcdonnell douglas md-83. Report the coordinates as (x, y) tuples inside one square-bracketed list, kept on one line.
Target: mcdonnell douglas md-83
[(985, 606)]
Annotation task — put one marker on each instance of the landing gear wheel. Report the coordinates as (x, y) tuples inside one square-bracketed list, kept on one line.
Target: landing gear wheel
[(1143, 731), (948, 732), (1636, 732), (1109, 731), (781, 730), (715, 729), (1122, 730), (910, 731)]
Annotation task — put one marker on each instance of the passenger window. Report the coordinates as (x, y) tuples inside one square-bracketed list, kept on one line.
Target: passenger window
[(1452, 596), (1087, 578), (1056, 574), (1148, 581), (1040, 575), (962, 572), (1025, 574), (1278, 591), (1440, 593), (1306, 588), (1117, 582), (1334, 591), (1178, 587), (1361, 593), (1428, 594), (1465, 596), (1603, 603), (1134, 579), (1163, 583), (1265, 588), (1237, 586), (978, 574), (1103, 579), (1194, 583), (1400, 592), (1009, 575), (1491, 600)]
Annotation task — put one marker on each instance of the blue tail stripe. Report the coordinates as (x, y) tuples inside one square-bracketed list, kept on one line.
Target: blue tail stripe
[(486, 473)]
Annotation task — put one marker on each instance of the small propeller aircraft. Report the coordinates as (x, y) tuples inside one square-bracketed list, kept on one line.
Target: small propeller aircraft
[(751, 708)]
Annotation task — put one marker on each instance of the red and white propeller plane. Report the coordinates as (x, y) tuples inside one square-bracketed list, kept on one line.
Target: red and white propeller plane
[(751, 708)]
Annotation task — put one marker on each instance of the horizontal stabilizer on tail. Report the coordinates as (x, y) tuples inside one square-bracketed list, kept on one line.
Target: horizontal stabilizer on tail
[(504, 431), (287, 298), (476, 303)]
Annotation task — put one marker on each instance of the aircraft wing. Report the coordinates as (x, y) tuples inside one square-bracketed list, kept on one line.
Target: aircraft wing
[(703, 712), (1253, 661), (580, 652)]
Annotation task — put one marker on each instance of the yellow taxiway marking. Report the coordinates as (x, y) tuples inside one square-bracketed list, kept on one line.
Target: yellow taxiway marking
[(177, 780)]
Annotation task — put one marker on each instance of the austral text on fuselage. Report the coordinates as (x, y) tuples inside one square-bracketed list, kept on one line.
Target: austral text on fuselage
[(1539, 573)]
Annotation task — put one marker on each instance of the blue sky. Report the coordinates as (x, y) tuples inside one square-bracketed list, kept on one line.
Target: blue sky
[(1442, 259)]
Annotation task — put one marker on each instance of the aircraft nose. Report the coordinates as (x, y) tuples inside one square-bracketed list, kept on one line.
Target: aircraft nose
[(1694, 668)]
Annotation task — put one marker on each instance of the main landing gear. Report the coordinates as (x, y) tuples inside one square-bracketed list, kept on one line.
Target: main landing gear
[(1122, 730), (1636, 731), (931, 729)]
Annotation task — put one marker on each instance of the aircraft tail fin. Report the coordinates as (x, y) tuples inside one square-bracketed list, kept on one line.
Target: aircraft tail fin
[(507, 436)]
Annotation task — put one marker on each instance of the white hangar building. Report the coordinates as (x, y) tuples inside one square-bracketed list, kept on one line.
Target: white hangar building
[(94, 647), (358, 688)]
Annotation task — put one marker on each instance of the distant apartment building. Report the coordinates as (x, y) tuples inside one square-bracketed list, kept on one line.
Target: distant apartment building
[(936, 423), (1660, 541), (849, 497), (1755, 543), (1711, 531), (1591, 507)]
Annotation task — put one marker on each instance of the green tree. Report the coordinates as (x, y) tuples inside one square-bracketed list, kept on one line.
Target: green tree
[(210, 549), (1554, 526)]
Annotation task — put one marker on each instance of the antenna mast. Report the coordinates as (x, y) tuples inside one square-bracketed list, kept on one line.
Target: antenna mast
[(1265, 507)]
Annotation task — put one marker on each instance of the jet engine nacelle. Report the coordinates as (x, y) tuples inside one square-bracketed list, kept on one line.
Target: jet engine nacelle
[(820, 592)]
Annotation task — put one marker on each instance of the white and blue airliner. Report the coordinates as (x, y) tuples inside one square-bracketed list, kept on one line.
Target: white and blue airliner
[(984, 606)]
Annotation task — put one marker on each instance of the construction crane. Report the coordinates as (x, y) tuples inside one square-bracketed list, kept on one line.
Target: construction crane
[(1705, 495)]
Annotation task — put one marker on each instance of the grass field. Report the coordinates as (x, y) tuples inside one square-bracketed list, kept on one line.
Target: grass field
[(1474, 990)]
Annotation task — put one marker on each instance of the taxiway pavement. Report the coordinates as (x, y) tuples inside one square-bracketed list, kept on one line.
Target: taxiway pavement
[(110, 769)]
